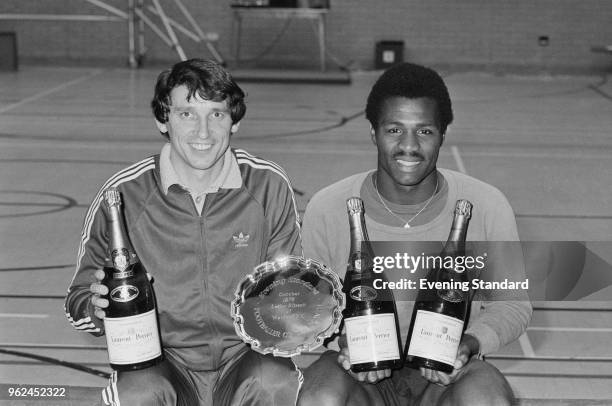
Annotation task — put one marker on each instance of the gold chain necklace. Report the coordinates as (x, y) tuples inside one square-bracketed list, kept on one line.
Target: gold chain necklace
[(406, 223)]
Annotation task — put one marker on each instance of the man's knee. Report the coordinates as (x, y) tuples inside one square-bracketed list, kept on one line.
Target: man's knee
[(139, 388), (325, 383), (482, 385), (324, 396), (269, 369), (258, 380)]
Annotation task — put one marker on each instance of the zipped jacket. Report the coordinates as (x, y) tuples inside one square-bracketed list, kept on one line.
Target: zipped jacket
[(196, 260)]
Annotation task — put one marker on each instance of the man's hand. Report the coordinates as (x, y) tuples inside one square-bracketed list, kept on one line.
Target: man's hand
[(345, 362), (98, 289), (469, 346)]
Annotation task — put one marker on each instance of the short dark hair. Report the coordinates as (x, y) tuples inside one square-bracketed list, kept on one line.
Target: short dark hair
[(206, 78), (410, 81)]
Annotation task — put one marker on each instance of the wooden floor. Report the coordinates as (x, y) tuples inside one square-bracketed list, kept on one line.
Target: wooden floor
[(546, 142)]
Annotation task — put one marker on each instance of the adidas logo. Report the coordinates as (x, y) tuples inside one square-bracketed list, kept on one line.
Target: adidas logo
[(241, 240)]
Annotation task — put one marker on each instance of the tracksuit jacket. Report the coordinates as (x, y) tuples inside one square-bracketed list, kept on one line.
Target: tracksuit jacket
[(196, 260)]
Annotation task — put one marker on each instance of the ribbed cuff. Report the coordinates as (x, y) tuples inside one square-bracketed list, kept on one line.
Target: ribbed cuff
[(486, 336)]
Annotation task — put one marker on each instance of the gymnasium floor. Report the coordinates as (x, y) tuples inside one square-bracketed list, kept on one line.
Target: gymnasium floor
[(545, 141)]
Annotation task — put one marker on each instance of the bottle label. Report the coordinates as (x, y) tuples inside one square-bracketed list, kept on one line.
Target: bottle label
[(123, 275), (132, 339), (120, 259), (124, 293), (435, 336), (372, 338), (363, 293)]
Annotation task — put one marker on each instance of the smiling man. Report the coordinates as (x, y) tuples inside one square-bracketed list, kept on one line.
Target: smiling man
[(200, 216), (408, 198)]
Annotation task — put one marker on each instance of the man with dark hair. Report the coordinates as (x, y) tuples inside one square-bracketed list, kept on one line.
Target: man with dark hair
[(407, 198), (200, 215)]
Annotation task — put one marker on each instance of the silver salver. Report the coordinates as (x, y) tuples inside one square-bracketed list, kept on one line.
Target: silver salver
[(288, 306)]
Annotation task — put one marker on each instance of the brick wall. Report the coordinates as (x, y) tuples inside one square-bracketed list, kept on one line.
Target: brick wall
[(492, 34)]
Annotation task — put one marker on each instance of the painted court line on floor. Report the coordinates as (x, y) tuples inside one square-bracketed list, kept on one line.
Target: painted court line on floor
[(458, 159), (573, 329), (526, 346), (54, 346), (50, 91), (23, 316), (147, 145), (523, 340)]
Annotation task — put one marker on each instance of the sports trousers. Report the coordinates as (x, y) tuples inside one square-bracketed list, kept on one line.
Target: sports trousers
[(249, 379)]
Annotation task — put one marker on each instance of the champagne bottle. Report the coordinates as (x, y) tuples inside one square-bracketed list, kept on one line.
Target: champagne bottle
[(131, 328), (370, 317), (439, 314)]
